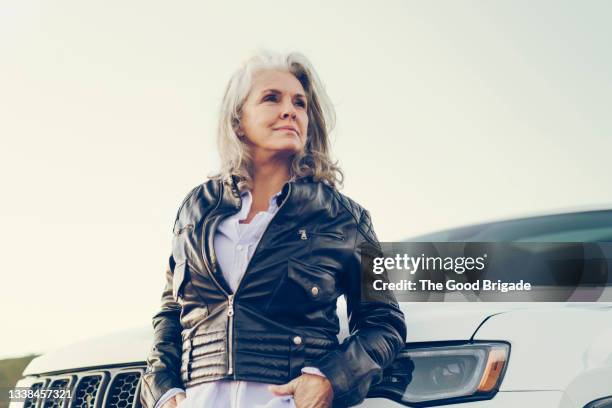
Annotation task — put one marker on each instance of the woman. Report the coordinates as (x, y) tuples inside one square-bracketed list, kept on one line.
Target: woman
[(260, 255)]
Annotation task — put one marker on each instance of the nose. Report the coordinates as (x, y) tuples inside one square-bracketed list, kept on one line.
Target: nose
[(288, 110)]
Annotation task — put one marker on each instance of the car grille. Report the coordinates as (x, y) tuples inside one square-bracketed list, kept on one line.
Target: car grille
[(31, 402), (86, 393), (60, 384), (123, 390), (108, 388)]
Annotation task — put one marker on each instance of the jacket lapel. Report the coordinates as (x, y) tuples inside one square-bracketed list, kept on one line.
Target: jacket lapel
[(229, 203)]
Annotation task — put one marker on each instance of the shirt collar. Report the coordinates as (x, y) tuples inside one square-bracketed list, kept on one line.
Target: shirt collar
[(247, 200)]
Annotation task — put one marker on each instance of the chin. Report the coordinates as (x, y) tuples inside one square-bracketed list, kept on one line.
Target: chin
[(288, 146)]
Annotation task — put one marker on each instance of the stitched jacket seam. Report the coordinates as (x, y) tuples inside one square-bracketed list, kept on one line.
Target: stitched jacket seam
[(338, 200), (191, 193)]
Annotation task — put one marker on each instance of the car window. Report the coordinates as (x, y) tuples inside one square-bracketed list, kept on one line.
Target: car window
[(593, 226), (586, 235)]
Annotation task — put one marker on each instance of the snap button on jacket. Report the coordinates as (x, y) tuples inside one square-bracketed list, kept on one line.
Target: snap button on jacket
[(282, 316)]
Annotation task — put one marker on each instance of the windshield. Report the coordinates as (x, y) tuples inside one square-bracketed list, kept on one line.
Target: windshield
[(593, 226)]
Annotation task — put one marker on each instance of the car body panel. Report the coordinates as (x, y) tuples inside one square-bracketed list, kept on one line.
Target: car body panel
[(568, 349)]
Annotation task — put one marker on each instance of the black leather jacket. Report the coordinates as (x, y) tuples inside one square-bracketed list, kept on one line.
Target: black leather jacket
[(283, 315)]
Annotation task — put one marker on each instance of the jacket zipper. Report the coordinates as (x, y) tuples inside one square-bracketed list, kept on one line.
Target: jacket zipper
[(230, 332), (230, 298), (304, 234)]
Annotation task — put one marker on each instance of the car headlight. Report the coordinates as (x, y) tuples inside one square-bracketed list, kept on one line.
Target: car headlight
[(425, 375)]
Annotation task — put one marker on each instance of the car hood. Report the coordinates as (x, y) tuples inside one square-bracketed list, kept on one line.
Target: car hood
[(123, 347), (425, 322), (460, 320)]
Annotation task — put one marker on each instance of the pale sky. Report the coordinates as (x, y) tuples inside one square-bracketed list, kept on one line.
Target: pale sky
[(449, 113)]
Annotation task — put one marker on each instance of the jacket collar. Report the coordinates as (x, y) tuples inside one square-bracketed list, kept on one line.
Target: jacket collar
[(231, 194)]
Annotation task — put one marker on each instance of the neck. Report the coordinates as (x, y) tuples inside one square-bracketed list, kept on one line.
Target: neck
[(270, 171), (268, 179)]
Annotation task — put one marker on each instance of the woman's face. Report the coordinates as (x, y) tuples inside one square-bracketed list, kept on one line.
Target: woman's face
[(274, 115)]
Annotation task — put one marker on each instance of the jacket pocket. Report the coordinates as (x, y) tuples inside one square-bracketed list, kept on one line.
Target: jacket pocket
[(178, 280), (317, 283), (306, 233)]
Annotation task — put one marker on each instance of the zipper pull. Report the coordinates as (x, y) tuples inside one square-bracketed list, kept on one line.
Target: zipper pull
[(303, 235), (230, 303)]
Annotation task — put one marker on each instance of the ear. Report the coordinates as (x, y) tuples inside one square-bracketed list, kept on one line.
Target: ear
[(237, 127), (238, 130)]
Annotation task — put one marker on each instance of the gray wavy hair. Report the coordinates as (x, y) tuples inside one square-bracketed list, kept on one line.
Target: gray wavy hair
[(315, 159)]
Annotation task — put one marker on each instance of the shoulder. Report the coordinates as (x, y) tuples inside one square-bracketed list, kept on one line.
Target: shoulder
[(359, 214), (199, 200), (208, 190)]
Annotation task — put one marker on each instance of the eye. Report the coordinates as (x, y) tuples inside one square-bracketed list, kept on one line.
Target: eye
[(270, 97), (301, 103)]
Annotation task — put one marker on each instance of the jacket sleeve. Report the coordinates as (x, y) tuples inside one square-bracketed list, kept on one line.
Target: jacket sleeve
[(164, 360), (377, 328)]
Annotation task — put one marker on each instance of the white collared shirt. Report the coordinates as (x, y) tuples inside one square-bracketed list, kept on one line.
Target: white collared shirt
[(234, 245)]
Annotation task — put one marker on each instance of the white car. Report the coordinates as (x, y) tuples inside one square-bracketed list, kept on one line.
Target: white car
[(463, 355)]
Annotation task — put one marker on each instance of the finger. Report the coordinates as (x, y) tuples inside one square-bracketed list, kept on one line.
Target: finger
[(179, 397), (284, 389)]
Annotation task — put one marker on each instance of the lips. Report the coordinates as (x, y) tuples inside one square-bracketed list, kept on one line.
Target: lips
[(290, 128)]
